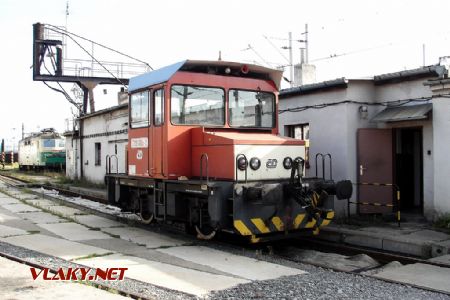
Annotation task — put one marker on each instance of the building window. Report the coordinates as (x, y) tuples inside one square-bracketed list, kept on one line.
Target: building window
[(98, 154), (158, 118), (301, 132)]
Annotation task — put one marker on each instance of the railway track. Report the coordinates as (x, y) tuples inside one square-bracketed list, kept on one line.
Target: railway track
[(299, 243)]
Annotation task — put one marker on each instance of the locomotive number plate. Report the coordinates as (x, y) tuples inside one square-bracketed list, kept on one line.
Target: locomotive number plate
[(139, 142), (271, 163)]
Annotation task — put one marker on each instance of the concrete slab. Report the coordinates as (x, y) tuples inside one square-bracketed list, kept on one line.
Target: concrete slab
[(44, 203), (74, 231), (331, 260), (383, 231), (420, 275), (244, 267), (9, 200), (144, 237), (440, 248), (65, 211), (40, 217), (444, 259), (130, 248), (6, 231), (5, 217), (17, 283), (428, 236), (97, 222), (165, 275), (407, 246), (365, 240), (54, 246), (16, 208)]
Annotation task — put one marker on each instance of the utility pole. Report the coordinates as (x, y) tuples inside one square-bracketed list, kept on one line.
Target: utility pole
[(423, 54), (291, 62), (306, 44)]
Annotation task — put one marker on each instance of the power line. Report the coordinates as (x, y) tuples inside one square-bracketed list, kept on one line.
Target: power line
[(276, 48), (396, 103), (352, 52), (257, 54)]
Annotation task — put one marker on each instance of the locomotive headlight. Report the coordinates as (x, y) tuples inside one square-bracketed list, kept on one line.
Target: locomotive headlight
[(255, 163), (287, 162), (242, 163)]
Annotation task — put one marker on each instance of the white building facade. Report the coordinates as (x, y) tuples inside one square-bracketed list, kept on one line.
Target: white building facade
[(391, 129), (99, 145)]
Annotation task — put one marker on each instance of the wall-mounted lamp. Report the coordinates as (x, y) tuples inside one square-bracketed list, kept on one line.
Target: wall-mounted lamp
[(363, 112)]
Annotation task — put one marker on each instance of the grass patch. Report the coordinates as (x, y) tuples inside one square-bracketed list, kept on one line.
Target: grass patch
[(443, 222), (93, 255), (33, 231)]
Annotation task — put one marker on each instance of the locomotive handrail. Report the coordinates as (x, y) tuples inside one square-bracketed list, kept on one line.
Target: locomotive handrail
[(323, 165), (117, 163), (107, 164), (246, 163), (204, 155)]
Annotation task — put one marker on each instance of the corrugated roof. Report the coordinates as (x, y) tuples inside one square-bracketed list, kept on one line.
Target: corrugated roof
[(310, 88), (404, 113), (436, 71)]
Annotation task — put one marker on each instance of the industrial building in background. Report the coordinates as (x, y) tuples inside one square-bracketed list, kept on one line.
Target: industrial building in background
[(390, 129)]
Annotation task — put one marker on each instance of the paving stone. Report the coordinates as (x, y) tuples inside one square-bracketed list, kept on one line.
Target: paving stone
[(16, 283), (408, 246), (165, 275), (40, 217), (241, 266), (16, 208), (427, 236), (144, 237), (430, 276), (97, 222), (443, 259), (130, 248), (44, 203), (65, 210), (440, 248), (6, 231), (5, 217), (54, 246), (9, 200), (74, 231)]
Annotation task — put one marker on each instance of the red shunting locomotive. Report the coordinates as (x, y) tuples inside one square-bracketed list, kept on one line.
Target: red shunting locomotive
[(204, 151)]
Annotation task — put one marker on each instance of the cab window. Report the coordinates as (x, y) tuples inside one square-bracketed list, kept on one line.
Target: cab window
[(196, 105), (158, 118), (139, 110), (254, 109)]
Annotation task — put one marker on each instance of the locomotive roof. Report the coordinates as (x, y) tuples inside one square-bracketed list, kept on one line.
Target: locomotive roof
[(201, 66), (42, 134)]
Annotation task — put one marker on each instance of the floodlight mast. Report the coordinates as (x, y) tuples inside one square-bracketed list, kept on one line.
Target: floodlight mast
[(72, 70)]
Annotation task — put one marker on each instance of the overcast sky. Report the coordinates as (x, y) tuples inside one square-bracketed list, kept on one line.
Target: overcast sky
[(365, 38)]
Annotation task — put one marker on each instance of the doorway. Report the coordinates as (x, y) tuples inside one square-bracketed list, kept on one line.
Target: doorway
[(408, 168)]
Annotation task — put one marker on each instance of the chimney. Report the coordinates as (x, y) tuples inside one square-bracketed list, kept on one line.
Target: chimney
[(304, 73)]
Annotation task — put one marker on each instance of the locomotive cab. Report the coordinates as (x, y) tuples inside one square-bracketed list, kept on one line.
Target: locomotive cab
[(204, 151)]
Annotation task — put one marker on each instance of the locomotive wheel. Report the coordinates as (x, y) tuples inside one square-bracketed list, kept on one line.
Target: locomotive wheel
[(146, 218), (206, 233)]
